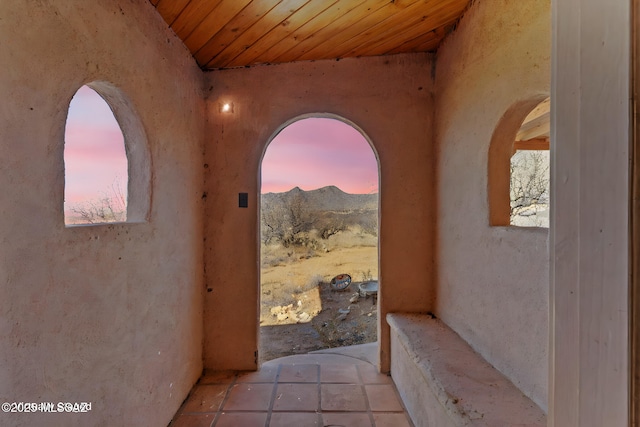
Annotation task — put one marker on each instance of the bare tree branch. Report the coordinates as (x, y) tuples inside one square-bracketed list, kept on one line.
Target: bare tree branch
[(111, 207), (529, 183)]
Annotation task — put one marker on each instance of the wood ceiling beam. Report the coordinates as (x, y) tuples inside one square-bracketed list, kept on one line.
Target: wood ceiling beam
[(383, 45), (214, 22), (325, 34), (191, 16), (297, 19), (542, 109), (532, 144), (328, 49), (541, 126), (308, 29), (275, 17), (234, 29), (235, 33), (170, 9), (391, 26)]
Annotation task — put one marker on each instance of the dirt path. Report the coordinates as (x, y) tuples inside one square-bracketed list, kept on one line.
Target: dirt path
[(301, 313)]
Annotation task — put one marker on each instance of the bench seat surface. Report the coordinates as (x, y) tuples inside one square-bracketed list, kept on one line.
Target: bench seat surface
[(470, 390)]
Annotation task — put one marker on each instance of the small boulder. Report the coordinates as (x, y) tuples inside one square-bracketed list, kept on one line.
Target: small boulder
[(275, 310), (304, 317)]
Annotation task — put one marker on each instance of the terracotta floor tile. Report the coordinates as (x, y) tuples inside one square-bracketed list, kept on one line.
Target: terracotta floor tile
[(206, 398), (391, 420), (193, 420), (292, 392), (383, 398), (347, 374), (242, 419), (264, 375), (221, 377), (299, 373), (249, 397), (346, 419), (342, 397), (370, 375), (296, 397), (295, 419)]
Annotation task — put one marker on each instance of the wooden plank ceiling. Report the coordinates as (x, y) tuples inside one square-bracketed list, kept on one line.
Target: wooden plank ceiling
[(238, 33)]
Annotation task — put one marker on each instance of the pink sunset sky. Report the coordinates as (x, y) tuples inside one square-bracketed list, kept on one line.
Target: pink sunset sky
[(316, 152), (310, 153), (94, 155)]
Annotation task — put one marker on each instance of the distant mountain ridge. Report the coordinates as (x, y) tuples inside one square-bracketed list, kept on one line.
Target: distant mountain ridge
[(329, 198)]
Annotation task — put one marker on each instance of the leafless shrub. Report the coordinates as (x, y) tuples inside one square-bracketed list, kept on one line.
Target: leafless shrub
[(291, 222), (283, 222), (329, 223), (111, 207), (275, 260), (529, 183), (366, 275)]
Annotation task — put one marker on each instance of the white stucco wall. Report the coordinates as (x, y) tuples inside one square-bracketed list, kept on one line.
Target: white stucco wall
[(391, 100), (492, 285), (108, 314)]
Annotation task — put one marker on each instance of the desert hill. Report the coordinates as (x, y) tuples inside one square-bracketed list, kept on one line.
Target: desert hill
[(330, 198)]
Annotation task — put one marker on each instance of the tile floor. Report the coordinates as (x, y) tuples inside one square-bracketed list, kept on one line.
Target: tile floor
[(296, 391)]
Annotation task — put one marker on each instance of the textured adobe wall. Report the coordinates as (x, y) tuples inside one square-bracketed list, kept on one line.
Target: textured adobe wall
[(106, 314), (492, 281), (390, 99)]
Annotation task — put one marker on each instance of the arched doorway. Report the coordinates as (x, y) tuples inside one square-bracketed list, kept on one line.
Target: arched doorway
[(318, 220)]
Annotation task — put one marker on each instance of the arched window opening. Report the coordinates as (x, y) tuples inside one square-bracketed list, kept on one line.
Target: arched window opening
[(519, 166), (529, 170), (106, 157), (96, 167), (319, 225)]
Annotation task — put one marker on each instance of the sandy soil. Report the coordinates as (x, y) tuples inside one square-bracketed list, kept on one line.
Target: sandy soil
[(299, 311)]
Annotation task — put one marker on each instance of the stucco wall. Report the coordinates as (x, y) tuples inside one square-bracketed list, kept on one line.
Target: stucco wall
[(108, 314), (390, 99), (492, 281)]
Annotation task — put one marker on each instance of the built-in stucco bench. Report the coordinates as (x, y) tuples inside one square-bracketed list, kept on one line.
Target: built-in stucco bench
[(444, 382)]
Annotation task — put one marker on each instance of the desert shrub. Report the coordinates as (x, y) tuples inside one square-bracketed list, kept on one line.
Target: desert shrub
[(369, 223), (284, 222), (328, 224), (327, 231), (366, 275), (299, 240), (292, 222), (276, 260)]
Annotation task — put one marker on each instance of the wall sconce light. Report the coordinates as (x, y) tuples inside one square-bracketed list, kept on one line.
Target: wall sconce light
[(226, 107)]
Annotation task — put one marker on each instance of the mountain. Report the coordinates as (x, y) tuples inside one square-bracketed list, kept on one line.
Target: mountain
[(329, 198)]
